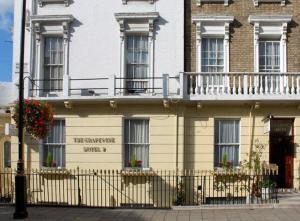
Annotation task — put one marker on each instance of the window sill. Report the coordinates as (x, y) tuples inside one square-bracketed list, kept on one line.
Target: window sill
[(137, 172), (53, 171)]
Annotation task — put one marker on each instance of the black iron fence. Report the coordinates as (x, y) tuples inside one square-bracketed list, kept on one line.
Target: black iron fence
[(140, 189)]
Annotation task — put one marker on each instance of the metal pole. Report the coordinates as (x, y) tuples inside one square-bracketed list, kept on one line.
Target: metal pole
[(20, 179)]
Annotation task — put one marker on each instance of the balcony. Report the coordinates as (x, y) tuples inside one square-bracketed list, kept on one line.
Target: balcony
[(186, 86), (104, 88), (243, 86)]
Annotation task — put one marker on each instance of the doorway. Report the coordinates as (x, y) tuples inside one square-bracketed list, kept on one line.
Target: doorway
[(282, 150)]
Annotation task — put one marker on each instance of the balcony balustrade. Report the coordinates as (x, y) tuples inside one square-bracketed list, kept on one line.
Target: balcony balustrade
[(244, 86), (185, 86)]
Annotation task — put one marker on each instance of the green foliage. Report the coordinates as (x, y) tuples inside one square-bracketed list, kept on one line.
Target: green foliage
[(49, 159), (255, 162), (133, 161)]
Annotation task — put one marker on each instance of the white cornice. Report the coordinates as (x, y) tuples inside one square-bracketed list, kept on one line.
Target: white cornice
[(43, 2), (51, 18), (282, 2), (270, 18), (212, 18), (125, 1), (136, 15), (199, 2), (40, 20)]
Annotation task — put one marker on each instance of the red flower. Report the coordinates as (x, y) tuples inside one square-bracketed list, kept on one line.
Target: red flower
[(38, 117)]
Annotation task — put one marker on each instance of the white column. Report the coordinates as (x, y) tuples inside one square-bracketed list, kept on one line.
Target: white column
[(198, 46), (151, 54), (111, 86), (256, 47), (38, 85), (226, 47)]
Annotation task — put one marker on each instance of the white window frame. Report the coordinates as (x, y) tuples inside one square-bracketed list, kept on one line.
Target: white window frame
[(239, 144), (212, 26), (42, 3), (256, 2), (44, 65), (200, 2), (265, 55), (124, 146), (144, 82), (274, 26), (60, 144), (127, 23), (126, 1), (51, 25)]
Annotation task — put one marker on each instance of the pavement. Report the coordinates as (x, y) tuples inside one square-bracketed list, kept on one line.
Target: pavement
[(88, 214)]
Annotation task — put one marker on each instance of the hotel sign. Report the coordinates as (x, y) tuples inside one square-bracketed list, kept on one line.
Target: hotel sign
[(95, 141)]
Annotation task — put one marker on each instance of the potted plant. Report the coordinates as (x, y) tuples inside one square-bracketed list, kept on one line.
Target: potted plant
[(134, 163), (38, 117), (266, 187)]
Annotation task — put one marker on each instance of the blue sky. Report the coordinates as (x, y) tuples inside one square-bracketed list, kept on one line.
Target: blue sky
[(6, 21)]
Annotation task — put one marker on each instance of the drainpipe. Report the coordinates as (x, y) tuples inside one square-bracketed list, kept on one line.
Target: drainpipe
[(251, 130)]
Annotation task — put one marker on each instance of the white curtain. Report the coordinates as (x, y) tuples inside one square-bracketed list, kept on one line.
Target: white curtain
[(137, 61), (212, 54), (227, 139), (137, 141), (269, 56), (54, 144)]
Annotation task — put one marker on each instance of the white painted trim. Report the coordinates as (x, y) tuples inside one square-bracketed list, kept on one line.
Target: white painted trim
[(125, 1), (212, 18), (38, 24), (221, 24), (273, 21), (42, 3), (199, 2), (256, 2), (269, 18), (149, 19)]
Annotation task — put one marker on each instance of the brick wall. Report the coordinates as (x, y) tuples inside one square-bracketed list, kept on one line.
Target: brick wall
[(241, 32)]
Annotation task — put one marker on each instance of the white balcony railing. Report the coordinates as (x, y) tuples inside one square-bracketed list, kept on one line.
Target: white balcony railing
[(105, 87), (185, 86), (210, 86)]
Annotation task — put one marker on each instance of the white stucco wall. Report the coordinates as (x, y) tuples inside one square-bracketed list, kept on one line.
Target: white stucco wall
[(94, 49)]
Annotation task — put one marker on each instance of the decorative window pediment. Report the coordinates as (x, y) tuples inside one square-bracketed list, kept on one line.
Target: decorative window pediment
[(47, 24), (138, 22), (51, 30), (125, 1), (216, 27), (200, 2), (45, 2), (282, 2), (137, 29), (270, 27)]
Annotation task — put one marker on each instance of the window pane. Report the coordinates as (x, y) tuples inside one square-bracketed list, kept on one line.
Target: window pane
[(227, 139), (53, 63), (269, 56), (212, 54), (54, 146), (137, 63), (7, 155), (136, 143)]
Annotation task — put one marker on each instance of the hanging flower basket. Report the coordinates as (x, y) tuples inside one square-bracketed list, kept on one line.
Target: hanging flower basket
[(38, 117)]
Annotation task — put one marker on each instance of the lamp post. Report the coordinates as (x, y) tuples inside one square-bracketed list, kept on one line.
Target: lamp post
[(20, 179)]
